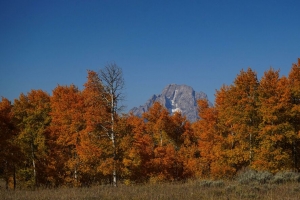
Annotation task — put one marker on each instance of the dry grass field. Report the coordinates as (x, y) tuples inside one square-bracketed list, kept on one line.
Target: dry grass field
[(189, 190)]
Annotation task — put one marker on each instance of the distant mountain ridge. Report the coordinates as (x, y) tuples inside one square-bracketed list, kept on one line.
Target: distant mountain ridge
[(176, 98)]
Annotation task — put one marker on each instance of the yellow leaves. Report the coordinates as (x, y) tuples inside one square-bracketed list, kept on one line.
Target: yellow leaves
[(106, 167)]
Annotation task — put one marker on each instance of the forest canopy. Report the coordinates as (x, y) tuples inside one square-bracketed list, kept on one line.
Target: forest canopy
[(76, 137)]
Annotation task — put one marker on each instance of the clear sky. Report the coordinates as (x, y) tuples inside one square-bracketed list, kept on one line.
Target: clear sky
[(203, 44)]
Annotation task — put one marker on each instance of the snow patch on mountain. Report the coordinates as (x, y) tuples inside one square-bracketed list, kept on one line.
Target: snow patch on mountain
[(175, 107)]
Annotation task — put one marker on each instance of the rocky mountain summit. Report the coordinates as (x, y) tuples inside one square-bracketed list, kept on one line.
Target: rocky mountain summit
[(176, 98)]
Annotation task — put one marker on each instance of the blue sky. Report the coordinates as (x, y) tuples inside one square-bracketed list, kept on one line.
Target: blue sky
[(203, 44)]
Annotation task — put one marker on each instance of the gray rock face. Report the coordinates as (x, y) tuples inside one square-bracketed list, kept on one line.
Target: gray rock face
[(176, 98)]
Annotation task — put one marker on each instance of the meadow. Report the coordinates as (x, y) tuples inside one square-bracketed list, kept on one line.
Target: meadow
[(249, 185)]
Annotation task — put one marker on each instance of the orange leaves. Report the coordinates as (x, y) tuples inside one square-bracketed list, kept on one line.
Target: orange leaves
[(164, 163), (77, 137), (207, 138), (294, 79), (275, 140), (67, 110), (96, 109), (6, 122), (67, 114), (238, 119)]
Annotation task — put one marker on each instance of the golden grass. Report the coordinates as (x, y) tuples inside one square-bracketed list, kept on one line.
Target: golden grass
[(189, 190)]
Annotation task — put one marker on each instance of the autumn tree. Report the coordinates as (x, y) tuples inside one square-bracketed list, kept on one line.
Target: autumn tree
[(238, 120), (67, 110), (207, 141), (111, 77), (135, 149), (188, 153), (31, 112), (246, 116), (10, 154), (276, 132), (157, 119), (179, 131), (159, 127), (95, 150), (294, 83), (220, 166)]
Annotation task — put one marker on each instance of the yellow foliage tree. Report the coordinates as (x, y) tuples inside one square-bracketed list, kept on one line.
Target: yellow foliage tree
[(276, 133)]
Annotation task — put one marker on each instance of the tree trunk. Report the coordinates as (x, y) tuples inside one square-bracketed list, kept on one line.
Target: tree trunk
[(114, 161), (113, 141), (6, 182), (14, 177), (250, 147), (33, 165), (295, 156), (75, 174), (112, 78), (161, 139)]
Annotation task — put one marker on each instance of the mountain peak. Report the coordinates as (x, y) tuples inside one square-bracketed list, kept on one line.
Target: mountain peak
[(176, 98)]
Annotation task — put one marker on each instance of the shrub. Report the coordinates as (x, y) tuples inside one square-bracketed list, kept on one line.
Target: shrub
[(251, 176), (218, 184), (264, 177), (211, 183), (286, 176), (204, 183)]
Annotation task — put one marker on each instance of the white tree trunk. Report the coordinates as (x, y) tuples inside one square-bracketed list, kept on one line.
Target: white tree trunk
[(33, 164), (113, 141)]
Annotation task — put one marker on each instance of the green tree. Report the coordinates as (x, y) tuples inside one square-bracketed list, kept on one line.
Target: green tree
[(31, 112)]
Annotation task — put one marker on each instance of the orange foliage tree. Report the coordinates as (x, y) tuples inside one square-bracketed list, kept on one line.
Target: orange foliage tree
[(157, 119), (95, 150), (166, 133), (276, 133), (238, 121), (294, 83), (188, 154), (135, 149), (79, 137), (207, 140), (67, 110), (224, 138)]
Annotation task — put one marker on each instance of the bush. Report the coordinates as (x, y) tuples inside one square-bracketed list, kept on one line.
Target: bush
[(264, 177), (286, 176), (210, 183), (251, 176), (218, 184)]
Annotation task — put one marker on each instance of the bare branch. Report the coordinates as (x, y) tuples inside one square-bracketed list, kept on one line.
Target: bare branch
[(112, 79)]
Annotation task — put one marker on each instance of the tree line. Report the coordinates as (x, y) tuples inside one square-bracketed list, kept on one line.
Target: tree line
[(77, 137)]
